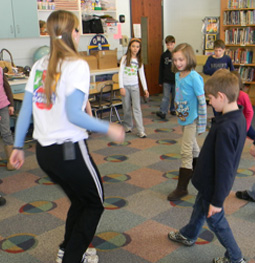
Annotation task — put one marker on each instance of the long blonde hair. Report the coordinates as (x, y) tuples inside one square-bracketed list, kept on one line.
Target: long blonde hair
[(60, 25)]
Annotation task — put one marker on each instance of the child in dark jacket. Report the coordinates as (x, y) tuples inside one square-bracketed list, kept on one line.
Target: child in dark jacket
[(216, 167), (167, 79)]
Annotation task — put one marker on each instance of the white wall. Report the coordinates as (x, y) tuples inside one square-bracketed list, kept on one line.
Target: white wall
[(22, 50), (183, 20)]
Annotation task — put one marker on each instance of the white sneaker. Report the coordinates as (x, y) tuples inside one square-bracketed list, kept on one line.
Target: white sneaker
[(90, 259), (90, 252), (142, 134), (60, 256)]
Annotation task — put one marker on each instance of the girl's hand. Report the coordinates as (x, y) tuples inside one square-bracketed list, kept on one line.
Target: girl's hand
[(11, 110), (116, 132), (146, 94), (122, 92), (213, 210), (17, 158)]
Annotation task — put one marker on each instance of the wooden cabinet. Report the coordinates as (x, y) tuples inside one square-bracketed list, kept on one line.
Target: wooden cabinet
[(237, 29), (18, 19)]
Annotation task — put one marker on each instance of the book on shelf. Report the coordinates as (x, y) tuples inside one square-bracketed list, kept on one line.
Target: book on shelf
[(240, 36), (240, 55), (233, 4), (247, 74)]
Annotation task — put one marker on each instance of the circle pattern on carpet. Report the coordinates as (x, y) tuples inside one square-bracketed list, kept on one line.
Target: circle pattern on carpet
[(206, 236), (166, 142), (126, 143), (18, 243), (116, 158), (37, 207), (170, 156), (174, 174), (115, 178), (45, 181), (114, 202), (186, 201), (110, 240), (244, 173), (3, 163), (164, 130)]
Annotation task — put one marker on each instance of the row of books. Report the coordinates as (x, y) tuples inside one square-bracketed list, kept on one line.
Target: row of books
[(240, 55), (240, 36), (247, 73), (241, 4), (239, 17)]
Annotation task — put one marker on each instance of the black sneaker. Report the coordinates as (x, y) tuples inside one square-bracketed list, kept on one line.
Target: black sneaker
[(173, 112), (244, 196), (2, 201), (161, 115), (178, 237)]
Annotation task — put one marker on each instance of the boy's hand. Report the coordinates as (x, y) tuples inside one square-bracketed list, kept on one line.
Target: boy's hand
[(146, 94), (213, 210), (116, 132)]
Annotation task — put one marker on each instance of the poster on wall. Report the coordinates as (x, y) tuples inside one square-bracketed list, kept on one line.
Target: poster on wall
[(210, 30)]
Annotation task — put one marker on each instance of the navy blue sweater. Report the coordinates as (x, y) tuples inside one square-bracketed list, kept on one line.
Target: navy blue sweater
[(219, 158), (212, 64)]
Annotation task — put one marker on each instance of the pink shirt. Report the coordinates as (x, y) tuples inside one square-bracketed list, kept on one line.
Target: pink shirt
[(244, 100), (3, 98)]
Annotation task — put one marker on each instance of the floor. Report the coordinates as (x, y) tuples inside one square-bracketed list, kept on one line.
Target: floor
[(137, 175)]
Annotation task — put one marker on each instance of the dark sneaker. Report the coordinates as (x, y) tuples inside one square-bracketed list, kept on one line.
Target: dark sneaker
[(244, 195), (173, 112), (161, 115), (178, 237), (226, 260), (2, 201), (127, 130)]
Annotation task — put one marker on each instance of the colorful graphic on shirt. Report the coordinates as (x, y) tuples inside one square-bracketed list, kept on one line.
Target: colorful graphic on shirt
[(39, 96), (182, 109), (132, 69)]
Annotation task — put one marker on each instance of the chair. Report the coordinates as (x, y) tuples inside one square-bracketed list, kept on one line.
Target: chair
[(116, 101), (103, 100)]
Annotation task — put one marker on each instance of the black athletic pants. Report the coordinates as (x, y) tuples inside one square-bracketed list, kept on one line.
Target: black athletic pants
[(81, 181)]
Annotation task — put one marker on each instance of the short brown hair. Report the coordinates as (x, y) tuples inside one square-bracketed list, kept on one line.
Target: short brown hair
[(219, 44), (170, 39), (188, 53), (225, 82)]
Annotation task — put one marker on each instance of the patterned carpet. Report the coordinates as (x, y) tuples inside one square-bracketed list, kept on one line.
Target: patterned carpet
[(137, 175)]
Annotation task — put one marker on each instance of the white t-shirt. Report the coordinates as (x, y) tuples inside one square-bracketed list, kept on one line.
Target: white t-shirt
[(51, 124), (128, 76)]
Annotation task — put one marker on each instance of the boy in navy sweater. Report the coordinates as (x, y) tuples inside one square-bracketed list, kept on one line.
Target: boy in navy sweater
[(216, 167), (218, 60)]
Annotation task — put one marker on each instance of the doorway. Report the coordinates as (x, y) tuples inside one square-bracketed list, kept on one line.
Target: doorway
[(149, 15)]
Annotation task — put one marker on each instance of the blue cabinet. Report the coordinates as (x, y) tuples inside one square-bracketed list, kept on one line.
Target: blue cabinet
[(18, 19)]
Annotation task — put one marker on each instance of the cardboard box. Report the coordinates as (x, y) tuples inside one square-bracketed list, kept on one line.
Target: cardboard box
[(105, 58), (92, 61)]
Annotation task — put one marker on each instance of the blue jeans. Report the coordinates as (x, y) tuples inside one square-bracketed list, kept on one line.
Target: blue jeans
[(217, 223), (251, 133), (167, 90)]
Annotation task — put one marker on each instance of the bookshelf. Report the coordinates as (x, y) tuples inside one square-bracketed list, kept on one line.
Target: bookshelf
[(237, 29)]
